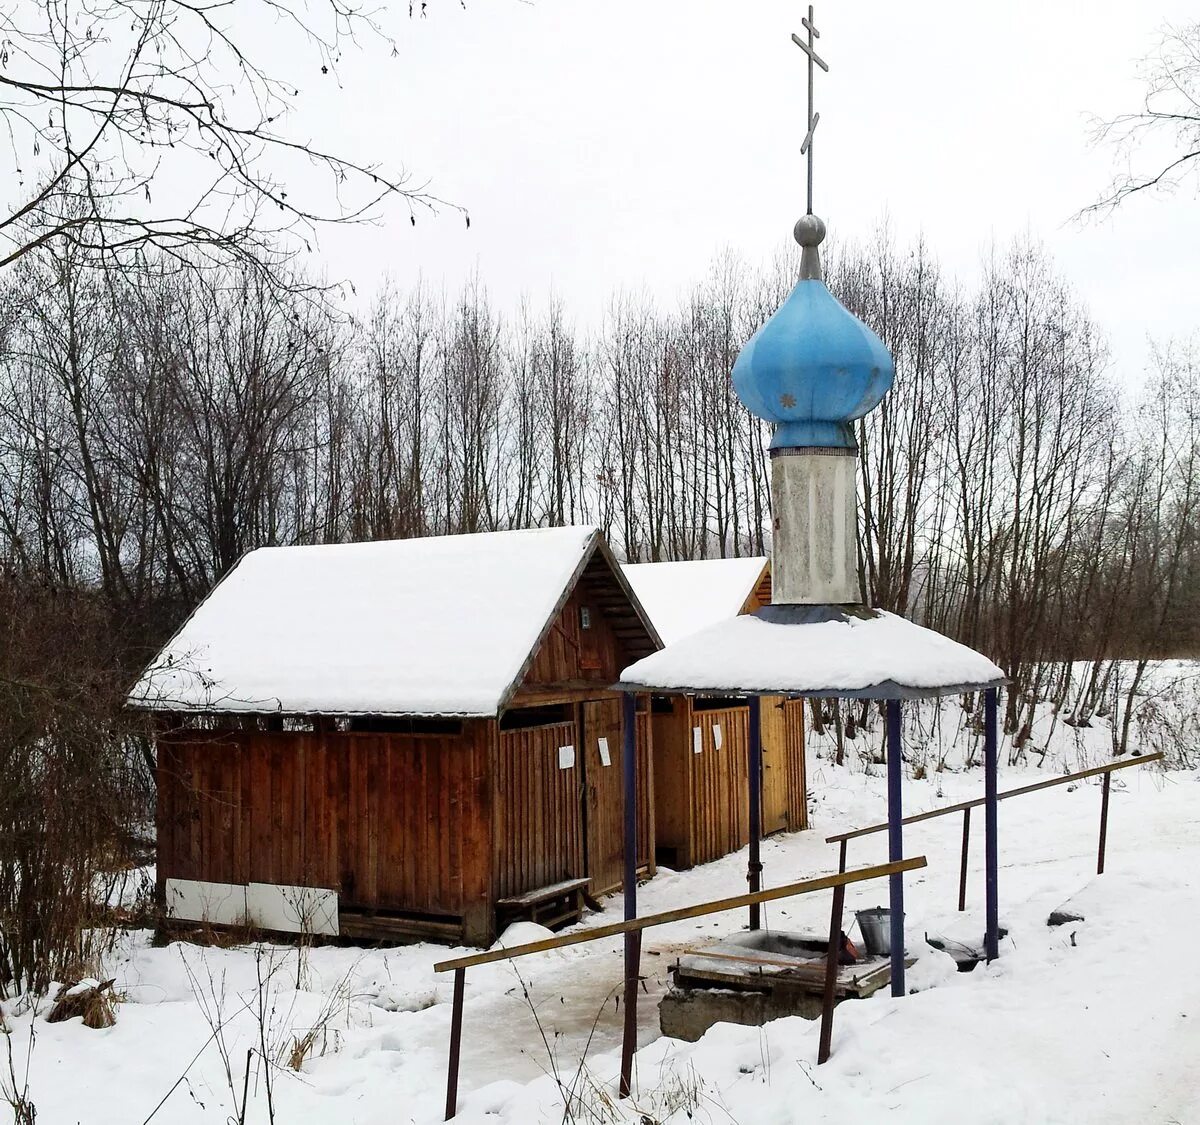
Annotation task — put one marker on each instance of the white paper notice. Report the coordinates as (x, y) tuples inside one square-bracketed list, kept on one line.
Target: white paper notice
[(697, 739), (566, 757), (717, 739), (605, 756)]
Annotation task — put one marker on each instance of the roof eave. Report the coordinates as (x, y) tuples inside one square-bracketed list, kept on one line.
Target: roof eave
[(174, 708), (887, 689)]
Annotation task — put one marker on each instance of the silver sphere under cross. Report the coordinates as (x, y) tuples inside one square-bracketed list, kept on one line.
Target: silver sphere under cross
[(809, 231)]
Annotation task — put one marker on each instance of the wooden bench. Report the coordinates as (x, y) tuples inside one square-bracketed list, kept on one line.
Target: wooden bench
[(559, 904)]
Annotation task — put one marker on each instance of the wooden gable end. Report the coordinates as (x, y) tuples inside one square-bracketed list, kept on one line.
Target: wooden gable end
[(570, 653), (596, 633), (761, 594)]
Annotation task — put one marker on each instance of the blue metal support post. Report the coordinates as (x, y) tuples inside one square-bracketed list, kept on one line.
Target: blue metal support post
[(633, 941), (895, 767), (754, 874), (629, 776), (990, 830)]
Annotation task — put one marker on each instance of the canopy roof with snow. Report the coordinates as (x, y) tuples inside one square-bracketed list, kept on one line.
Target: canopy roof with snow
[(682, 598), (819, 651), (436, 626)]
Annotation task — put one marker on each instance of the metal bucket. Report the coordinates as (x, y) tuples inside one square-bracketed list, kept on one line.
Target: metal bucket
[(876, 927)]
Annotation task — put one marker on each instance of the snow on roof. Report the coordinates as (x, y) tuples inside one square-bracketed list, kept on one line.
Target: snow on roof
[(815, 650), (436, 626), (682, 598)]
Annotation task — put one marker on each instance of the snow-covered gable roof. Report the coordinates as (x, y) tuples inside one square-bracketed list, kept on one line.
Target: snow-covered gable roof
[(434, 626), (820, 651), (684, 597)]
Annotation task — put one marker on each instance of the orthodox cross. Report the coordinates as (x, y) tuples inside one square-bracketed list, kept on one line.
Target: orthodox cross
[(813, 60)]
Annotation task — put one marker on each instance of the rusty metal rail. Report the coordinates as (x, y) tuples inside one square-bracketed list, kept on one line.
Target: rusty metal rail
[(634, 927), (965, 807)]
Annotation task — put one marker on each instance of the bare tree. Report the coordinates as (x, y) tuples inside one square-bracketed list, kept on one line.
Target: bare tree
[(139, 123), (1168, 122)]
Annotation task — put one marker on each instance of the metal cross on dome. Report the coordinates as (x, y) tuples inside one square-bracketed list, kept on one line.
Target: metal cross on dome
[(813, 60)]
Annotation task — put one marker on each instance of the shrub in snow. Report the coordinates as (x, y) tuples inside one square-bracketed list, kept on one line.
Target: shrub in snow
[(89, 999)]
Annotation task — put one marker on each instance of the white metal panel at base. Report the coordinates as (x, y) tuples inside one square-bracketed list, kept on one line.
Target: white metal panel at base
[(265, 906), (194, 900), (292, 910)]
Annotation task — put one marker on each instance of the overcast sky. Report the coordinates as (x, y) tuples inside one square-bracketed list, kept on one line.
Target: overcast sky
[(626, 142)]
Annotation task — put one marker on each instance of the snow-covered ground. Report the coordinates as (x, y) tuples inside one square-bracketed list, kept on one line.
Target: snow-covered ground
[(1097, 1021)]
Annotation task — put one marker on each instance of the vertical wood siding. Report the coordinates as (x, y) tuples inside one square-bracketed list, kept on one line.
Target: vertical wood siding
[(702, 803), (797, 769), (391, 822), (720, 780), (777, 775), (539, 823), (395, 822)]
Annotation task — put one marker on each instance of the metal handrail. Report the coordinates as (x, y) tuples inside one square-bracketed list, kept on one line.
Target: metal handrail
[(965, 807), (632, 929)]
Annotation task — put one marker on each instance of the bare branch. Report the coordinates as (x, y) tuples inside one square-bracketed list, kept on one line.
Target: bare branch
[(1170, 110), (110, 109)]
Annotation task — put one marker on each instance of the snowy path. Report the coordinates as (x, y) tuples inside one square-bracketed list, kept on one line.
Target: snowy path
[(1105, 1030)]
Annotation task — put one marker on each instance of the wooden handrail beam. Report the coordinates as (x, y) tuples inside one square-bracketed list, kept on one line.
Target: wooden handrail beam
[(825, 882), (963, 805)]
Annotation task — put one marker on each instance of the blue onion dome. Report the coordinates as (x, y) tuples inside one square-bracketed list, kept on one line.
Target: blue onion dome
[(813, 368)]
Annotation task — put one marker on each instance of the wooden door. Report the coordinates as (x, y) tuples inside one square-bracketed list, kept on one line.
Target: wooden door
[(671, 758), (603, 796), (538, 833), (793, 727), (720, 789)]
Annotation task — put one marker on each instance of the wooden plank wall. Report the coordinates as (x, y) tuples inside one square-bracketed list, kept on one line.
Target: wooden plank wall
[(797, 770), (720, 783), (702, 800), (538, 833), (542, 832), (392, 822), (777, 775)]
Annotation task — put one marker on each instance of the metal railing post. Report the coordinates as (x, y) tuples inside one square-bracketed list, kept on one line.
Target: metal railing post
[(962, 874), (633, 956), (831, 971), (1103, 824), (456, 1021)]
